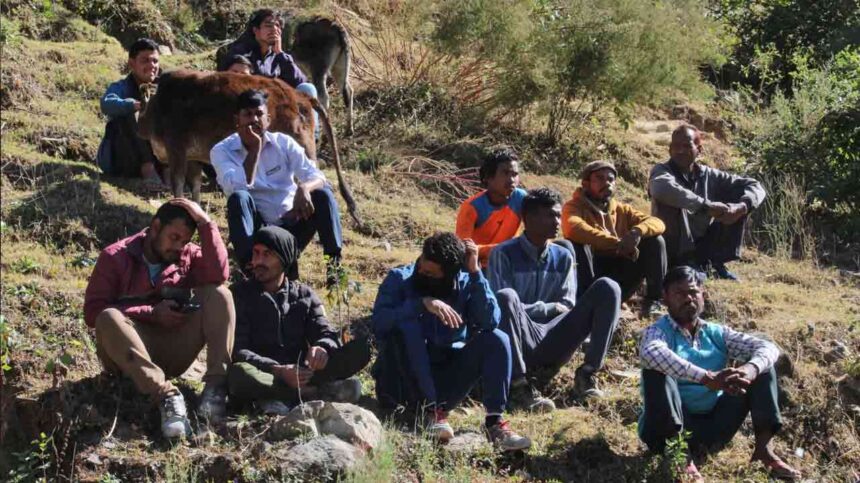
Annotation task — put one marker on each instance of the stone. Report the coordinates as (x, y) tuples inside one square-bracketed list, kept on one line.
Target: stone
[(350, 423), (837, 352), (325, 457), (300, 422), (468, 442)]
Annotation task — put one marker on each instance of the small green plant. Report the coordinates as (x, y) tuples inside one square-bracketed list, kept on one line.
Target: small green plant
[(32, 465), (340, 292), (5, 344), (675, 455), (852, 367), (25, 265)]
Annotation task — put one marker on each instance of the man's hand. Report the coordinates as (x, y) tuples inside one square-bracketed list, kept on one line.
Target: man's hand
[(292, 375), (627, 246), (275, 37), (731, 380), (472, 265), (166, 314), (251, 136), (136, 106), (735, 212), (715, 209), (197, 214), (560, 308), (303, 206), (445, 313), (317, 358)]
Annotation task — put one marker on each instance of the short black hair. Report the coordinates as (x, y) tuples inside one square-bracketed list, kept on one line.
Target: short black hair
[(262, 14), (493, 160), (168, 212), (683, 273), (240, 59), (540, 198), (445, 249), (251, 98), (140, 45)]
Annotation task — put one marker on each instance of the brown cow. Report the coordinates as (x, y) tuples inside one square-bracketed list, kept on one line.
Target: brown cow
[(192, 111)]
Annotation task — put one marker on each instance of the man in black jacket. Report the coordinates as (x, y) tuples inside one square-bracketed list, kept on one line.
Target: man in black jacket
[(285, 348)]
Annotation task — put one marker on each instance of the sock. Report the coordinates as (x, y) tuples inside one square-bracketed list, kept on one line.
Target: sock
[(492, 420)]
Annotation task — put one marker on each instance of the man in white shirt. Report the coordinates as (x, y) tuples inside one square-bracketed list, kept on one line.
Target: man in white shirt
[(269, 180)]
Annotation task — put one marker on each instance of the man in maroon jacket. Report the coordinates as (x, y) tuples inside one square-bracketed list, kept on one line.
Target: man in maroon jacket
[(149, 326)]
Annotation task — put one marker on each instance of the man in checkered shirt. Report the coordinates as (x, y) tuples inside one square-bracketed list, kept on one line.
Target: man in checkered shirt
[(688, 384)]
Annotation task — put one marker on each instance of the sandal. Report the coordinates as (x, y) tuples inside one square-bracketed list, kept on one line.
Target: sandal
[(779, 469), (691, 473)]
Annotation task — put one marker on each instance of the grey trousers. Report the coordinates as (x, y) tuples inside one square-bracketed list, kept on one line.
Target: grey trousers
[(550, 345)]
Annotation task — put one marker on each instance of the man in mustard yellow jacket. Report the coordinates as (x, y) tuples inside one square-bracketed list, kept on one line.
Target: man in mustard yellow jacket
[(614, 239)]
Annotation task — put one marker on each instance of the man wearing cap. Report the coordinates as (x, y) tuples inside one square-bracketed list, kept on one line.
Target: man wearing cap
[(704, 209), (286, 349), (615, 239), (269, 180)]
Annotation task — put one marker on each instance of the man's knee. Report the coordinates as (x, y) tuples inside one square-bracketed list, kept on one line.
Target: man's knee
[(655, 243), (495, 341), (324, 197), (508, 299), (607, 288), (212, 292), (109, 320), (240, 201)]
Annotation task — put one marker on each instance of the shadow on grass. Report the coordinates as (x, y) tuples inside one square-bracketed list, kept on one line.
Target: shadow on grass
[(589, 459)]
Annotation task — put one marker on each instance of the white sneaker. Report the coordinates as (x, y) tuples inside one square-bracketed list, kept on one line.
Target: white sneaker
[(273, 407), (213, 403), (174, 416)]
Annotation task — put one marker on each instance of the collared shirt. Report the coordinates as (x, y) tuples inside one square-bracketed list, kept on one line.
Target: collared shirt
[(541, 276), (655, 353), (273, 187)]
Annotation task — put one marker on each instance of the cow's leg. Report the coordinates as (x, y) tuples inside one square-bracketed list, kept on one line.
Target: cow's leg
[(320, 80), (178, 168), (340, 72), (195, 175)]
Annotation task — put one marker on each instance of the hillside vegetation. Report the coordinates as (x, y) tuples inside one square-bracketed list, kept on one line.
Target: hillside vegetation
[(437, 85)]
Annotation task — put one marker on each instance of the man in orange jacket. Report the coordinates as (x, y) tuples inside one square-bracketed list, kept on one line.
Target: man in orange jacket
[(614, 239)]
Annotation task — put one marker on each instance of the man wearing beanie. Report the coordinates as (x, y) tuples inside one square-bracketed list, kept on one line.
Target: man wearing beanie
[(614, 239), (286, 349)]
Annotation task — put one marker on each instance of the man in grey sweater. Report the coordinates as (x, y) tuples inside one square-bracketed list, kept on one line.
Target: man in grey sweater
[(704, 209)]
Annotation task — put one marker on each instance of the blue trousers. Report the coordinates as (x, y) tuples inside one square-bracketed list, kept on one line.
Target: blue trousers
[(244, 220), (446, 375)]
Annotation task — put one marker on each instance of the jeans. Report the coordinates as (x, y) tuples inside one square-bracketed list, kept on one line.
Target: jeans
[(248, 383), (243, 221), (664, 415), (651, 265), (446, 375), (311, 90), (551, 344)]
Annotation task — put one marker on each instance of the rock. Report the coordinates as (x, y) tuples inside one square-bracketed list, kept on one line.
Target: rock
[(663, 128), (350, 423), (467, 443), (837, 352), (164, 50), (299, 422), (325, 457)]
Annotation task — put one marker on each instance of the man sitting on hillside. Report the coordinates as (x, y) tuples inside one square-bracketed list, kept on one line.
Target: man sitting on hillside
[(535, 281), (122, 152), (255, 168), (148, 326), (444, 318), (688, 384), (285, 346), (704, 209), (493, 215), (614, 239)]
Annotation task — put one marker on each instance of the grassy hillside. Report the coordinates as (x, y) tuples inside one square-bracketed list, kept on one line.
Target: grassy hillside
[(58, 211)]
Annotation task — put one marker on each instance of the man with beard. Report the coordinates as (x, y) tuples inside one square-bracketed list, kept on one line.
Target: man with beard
[(493, 215), (689, 385), (147, 324), (122, 152), (536, 286), (269, 180), (442, 313), (286, 349), (614, 239), (704, 209)]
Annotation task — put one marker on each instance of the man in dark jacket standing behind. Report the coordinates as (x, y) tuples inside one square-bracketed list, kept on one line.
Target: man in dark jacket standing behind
[(704, 209), (286, 349)]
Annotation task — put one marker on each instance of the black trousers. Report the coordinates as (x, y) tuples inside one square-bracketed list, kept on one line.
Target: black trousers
[(651, 266), (129, 150), (664, 415)]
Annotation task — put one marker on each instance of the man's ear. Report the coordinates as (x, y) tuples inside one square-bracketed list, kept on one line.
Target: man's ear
[(584, 183), (155, 226)]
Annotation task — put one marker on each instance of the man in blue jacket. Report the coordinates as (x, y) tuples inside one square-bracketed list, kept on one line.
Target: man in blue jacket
[(122, 152), (446, 319)]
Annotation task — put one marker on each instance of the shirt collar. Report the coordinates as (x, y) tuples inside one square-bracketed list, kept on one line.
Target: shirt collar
[(683, 331), (535, 253)]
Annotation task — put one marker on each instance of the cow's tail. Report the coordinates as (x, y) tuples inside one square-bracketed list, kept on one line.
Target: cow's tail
[(341, 181)]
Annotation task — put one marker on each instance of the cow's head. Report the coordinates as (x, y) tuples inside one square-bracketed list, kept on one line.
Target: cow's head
[(147, 90)]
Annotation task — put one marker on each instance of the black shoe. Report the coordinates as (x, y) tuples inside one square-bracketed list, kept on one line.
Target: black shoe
[(585, 384), (525, 396), (723, 273)]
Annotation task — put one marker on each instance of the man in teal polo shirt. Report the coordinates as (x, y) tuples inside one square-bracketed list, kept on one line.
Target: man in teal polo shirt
[(687, 384)]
